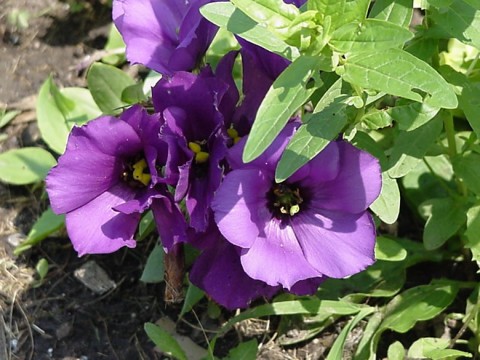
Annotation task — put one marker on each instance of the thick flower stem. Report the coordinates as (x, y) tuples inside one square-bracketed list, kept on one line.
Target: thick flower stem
[(174, 262)]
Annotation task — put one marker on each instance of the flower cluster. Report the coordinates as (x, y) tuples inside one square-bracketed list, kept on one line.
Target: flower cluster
[(183, 161)]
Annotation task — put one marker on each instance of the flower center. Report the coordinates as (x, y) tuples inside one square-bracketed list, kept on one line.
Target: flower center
[(233, 134), (284, 200), (199, 148), (136, 173)]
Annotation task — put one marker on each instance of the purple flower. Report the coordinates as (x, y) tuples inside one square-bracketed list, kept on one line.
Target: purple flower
[(314, 224), (164, 35), (194, 131), (107, 176)]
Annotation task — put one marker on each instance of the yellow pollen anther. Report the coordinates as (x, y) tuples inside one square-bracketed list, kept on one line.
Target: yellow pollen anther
[(194, 147), (237, 139), (232, 133), (138, 174), (294, 209), (201, 157)]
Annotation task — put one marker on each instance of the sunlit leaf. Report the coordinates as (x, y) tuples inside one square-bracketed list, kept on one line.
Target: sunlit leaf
[(164, 341)]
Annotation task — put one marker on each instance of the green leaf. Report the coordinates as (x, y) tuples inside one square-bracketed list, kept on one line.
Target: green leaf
[(42, 268), (193, 296), (324, 125), (146, 226), (154, 268), (340, 11), (417, 304), (396, 351), (377, 119), (411, 146), (288, 92), (25, 166), (471, 234), (106, 83), (46, 225), (114, 42), (225, 15), (389, 250), (164, 341), (467, 167), (369, 35), (336, 351), (7, 116), (387, 205), (397, 12), (244, 351), (461, 20), (435, 349), (411, 115), (445, 217), (133, 94), (396, 72)]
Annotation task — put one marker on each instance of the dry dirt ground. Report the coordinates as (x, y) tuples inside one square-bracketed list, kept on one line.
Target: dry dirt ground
[(60, 318)]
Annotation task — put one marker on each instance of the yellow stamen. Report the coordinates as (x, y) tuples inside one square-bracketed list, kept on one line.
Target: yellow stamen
[(232, 133), (237, 139), (138, 173), (294, 209), (196, 148), (201, 157)]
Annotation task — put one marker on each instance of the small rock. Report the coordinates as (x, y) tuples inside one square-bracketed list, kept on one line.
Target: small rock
[(94, 277), (63, 331), (15, 239)]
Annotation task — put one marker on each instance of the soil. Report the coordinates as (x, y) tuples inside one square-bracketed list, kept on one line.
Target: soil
[(59, 317)]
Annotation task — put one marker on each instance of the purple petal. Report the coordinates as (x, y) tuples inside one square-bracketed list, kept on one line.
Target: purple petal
[(308, 286), (276, 257), (357, 185), (240, 206), (336, 244), (171, 225), (96, 228)]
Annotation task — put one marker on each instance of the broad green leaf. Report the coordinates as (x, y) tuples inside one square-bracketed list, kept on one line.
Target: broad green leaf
[(368, 35), (340, 11), (133, 94), (154, 268), (396, 351), (376, 119), (411, 115), (420, 303), (461, 20), (58, 110), (397, 12), (225, 15), (106, 83), (164, 341), (150, 81), (396, 72), (288, 92), (444, 218), (311, 138), (193, 296), (467, 168), (389, 250), (47, 224), (146, 226), (336, 351), (25, 166), (435, 349), (472, 233), (411, 146), (244, 351), (114, 43), (387, 205)]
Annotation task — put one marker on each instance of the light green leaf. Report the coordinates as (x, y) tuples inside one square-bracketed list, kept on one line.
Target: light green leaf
[(133, 94), (106, 83), (411, 146), (387, 205), (376, 119), (340, 11), (434, 349), (389, 250), (288, 92), (473, 231), (396, 351), (114, 42), (193, 296), (336, 351), (225, 15), (396, 72), (164, 341), (146, 226), (47, 224), (411, 115), (467, 167), (461, 20), (369, 35), (154, 268), (42, 268), (7, 116), (417, 304), (397, 12), (244, 351), (322, 126), (25, 166), (444, 218)]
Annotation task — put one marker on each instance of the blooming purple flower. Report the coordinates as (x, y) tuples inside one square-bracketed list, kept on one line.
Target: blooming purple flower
[(164, 35), (312, 225), (107, 176)]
